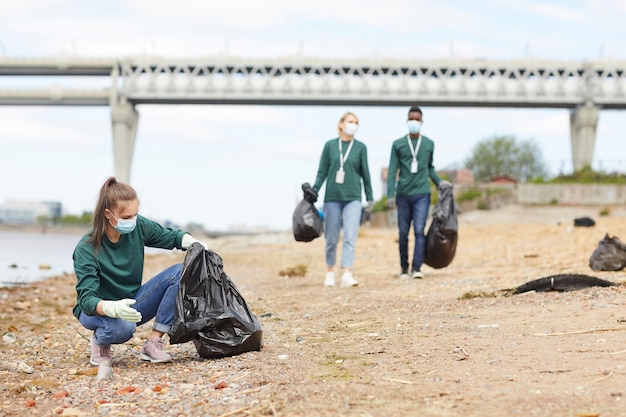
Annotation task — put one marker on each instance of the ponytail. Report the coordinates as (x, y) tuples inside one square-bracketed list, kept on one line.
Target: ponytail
[(111, 194)]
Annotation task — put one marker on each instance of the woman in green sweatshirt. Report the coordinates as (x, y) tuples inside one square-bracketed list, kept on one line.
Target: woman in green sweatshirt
[(343, 165), (108, 262)]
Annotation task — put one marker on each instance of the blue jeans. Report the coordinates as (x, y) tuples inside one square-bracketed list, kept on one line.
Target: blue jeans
[(337, 213), (412, 208), (155, 299)]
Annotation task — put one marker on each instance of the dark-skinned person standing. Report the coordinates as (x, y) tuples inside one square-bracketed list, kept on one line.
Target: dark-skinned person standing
[(408, 190), (108, 261)]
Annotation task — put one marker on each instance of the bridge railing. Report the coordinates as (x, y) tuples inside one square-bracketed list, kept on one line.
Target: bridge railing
[(300, 80), (469, 83)]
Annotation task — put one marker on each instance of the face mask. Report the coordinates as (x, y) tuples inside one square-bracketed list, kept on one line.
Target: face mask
[(125, 226), (414, 126), (350, 128)]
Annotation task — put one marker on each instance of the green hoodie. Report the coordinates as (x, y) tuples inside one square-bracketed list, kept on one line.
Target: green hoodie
[(401, 158), (355, 167), (116, 272)]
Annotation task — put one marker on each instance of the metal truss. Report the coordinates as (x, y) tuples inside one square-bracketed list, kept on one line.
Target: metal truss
[(524, 83), (309, 81)]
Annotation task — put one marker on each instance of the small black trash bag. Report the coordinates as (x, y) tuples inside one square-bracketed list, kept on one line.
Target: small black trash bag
[(307, 223), (610, 255), (210, 311), (442, 235), (584, 222)]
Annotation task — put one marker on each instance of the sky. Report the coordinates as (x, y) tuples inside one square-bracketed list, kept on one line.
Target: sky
[(233, 167)]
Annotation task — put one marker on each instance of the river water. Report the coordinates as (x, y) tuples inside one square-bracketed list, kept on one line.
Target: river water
[(26, 257)]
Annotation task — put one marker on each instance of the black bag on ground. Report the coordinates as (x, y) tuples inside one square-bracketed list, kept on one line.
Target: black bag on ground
[(610, 255), (584, 222), (307, 223), (442, 235), (210, 311)]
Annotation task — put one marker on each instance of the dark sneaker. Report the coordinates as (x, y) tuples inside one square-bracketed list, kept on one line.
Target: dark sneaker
[(417, 274), (99, 353), (154, 351), (405, 274)]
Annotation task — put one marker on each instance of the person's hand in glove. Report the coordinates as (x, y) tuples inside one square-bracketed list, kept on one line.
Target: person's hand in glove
[(189, 240), (370, 206), (391, 202), (121, 309), (444, 184)]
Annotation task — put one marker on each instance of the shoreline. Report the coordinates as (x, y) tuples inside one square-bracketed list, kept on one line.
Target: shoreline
[(35, 228)]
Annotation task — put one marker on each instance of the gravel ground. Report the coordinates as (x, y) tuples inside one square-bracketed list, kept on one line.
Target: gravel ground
[(447, 345)]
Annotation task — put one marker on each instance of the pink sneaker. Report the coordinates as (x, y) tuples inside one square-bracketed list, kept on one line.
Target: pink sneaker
[(99, 353), (154, 351)]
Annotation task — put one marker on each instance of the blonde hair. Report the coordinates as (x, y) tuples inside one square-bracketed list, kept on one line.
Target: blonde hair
[(346, 114), (111, 195)]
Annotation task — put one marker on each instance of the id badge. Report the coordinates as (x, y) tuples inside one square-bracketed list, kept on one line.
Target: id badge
[(339, 176), (414, 166)]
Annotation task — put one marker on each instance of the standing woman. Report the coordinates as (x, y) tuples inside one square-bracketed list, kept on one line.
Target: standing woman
[(108, 262), (344, 164)]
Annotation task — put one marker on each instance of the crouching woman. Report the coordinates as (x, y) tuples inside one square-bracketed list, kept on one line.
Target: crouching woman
[(109, 261)]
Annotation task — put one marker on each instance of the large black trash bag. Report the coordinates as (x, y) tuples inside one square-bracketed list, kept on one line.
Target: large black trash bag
[(561, 282), (610, 255), (442, 235), (210, 311), (307, 223)]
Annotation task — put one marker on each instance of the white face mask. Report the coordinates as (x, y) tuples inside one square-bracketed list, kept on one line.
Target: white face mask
[(350, 128), (414, 126)]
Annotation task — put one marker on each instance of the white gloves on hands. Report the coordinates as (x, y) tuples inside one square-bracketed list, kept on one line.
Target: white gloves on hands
[(122, 309), (188, 240)]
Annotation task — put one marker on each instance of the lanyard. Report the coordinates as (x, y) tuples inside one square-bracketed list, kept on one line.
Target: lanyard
[(417, 147), (342, 158), (414, 152)]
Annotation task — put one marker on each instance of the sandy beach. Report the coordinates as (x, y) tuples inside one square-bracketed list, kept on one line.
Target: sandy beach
[(451, 344)]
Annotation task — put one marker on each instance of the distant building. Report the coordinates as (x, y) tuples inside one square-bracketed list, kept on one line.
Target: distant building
[(16, 212), (502, 179)]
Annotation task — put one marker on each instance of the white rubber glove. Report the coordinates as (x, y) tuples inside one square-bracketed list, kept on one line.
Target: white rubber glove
[(188, 240), (122, 309)]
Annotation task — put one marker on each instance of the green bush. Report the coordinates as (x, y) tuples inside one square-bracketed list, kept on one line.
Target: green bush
[(587, 175), (469, 195)]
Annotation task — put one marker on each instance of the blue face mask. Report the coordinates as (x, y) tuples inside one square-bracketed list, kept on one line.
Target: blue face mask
[(125, 226), (414, 126)]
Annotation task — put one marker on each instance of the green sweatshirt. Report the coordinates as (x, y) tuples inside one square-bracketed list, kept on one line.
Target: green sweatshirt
[(355, 167), (400, 161), (117, 270)]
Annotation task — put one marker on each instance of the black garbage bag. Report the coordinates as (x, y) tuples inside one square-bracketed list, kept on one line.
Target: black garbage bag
[(307, 223), (584, 222), (210, 310), (442, 235), (610, 255), (561, 282)]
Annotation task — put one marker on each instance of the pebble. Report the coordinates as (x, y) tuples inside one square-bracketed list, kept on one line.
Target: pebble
[(8, 338), (26, 368), (105, 372)]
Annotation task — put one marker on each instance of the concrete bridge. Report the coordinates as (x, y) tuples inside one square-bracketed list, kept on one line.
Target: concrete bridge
[(582, 88)]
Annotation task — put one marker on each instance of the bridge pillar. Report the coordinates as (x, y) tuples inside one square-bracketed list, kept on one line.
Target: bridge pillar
[(125, 119), (583, 124)]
